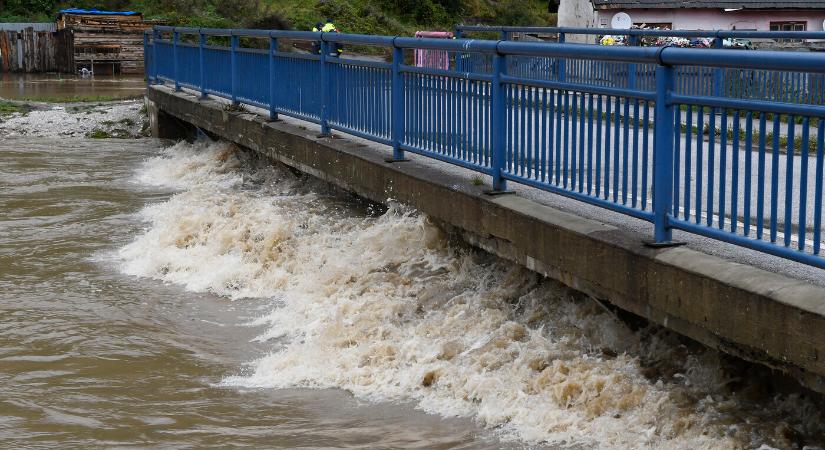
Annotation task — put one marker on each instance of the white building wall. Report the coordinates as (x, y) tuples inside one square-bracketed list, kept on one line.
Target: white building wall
[(715, 19), (580, 14)]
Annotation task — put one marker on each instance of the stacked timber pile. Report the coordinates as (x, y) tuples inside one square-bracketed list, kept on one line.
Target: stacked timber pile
[(28, 51), (104, 41)]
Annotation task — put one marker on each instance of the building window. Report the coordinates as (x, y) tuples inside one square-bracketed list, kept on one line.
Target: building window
[(789, 26)]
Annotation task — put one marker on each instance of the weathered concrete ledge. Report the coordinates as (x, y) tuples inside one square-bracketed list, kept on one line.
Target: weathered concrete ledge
[(756, 315)]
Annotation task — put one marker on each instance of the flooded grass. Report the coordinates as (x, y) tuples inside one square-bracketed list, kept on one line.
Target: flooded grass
[(8, 108), (116, 133), (98, 134)]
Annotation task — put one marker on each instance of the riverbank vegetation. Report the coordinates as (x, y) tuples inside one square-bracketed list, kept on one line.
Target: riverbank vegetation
[(352, 16), (8, 108)]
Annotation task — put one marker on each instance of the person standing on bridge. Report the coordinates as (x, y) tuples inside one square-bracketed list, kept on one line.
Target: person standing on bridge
[(335, 49), (316, 45)]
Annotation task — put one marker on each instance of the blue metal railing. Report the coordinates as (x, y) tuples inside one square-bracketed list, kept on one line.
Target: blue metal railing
[(753, 84), (745, 171), (504, 32)]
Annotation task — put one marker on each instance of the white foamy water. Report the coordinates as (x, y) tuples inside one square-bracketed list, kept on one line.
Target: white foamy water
[(387, 307)]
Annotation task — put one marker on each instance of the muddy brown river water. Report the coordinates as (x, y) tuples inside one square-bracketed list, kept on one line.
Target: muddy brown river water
[(191, 296), (90, 357), (62, 87)]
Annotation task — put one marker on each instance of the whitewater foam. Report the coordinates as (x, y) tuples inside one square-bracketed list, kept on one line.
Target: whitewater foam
[(388, 308)]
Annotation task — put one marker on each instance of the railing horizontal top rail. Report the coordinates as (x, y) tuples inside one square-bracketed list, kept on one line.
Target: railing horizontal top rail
[(757, 59), (359, 39), (581, 51), (646, 32)]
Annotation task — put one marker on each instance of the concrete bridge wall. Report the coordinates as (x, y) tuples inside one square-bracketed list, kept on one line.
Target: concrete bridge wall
[(753, 314)]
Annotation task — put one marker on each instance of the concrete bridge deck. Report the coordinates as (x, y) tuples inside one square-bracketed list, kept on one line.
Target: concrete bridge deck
[(757, 313)]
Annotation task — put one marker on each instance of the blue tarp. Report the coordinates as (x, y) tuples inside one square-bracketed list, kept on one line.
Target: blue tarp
[(97, 12)]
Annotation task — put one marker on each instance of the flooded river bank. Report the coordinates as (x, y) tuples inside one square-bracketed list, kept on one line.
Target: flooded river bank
[(68, 87), (193, 295)]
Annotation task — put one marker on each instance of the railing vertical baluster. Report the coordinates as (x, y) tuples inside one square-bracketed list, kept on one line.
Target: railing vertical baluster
[(273, 48), (746, 226), (233, 62), (202, 61), (789, 181), (774, 205), (817, 200), (631, 67), (734, 195), (397, 104), (325, 89), (718, 74), (175, 65), (459, 57), (805, 148), (663, 155), (497, 120)]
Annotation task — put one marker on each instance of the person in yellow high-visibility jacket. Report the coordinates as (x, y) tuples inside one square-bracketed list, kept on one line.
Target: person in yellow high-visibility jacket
[(335, 49)]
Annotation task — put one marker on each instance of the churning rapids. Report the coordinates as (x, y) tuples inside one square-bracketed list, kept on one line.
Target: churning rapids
[(231, 285), (382, 304)]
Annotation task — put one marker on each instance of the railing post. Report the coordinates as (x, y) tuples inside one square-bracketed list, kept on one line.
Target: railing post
[(397, 104), (633, 40), (497, 121), (459, 57), (273, 48), (326, 92), (147, 70), (663, 155), (155, 62), (233, 62), (175, 39), (561, 63), (202, 62)]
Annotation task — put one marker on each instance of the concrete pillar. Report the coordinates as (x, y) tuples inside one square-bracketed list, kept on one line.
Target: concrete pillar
[(166, 126)]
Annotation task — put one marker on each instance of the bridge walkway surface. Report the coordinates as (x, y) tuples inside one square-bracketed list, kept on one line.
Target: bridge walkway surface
[(755, 306)]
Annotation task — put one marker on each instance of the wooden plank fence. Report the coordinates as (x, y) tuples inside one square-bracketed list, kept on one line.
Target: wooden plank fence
[(28, 51)]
